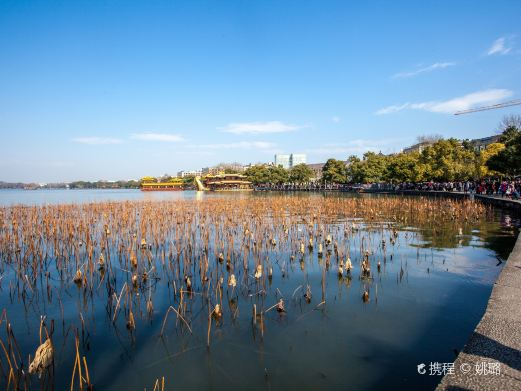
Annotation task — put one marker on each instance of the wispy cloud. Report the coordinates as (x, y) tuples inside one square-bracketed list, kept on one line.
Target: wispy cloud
[(97, 140), (501, 45), (430, 68), (165, 137), (238, 145), (259, 127), (469, 101), (393, 109)]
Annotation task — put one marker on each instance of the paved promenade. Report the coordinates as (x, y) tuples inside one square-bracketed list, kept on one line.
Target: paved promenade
[(497, 337)]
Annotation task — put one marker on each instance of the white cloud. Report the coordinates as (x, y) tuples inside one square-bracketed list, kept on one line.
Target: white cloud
[(430, 68), (238, 145), (469, 101), (97, 140), (166, 137), (500, 46), (259, 127), (392, 109)]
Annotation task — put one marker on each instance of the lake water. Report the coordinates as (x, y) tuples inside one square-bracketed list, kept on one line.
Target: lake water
[(43, 197), (432, 288)]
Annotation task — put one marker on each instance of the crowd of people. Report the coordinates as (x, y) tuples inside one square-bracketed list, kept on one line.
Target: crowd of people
[(502, 188)]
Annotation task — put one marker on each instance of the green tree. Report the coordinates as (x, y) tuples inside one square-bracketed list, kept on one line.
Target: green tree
[(334, 171), (301, 173), (354, 169), (484, 156), (278, 174), (508, 160), (188, 180), (258, 174), (404, 167), (447, 160), (230, 170), (374, 169)]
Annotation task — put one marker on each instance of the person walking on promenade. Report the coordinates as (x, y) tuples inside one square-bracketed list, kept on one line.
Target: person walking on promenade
[(503, 189)]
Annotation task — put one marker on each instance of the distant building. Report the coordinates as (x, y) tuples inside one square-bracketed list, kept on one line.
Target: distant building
[(183, 174), (288, 161), (318, 167), (236, 167), (418, 147), (297, 158), (317, 170), (282, 160), (210, 171), (479, 144), (222, 167)]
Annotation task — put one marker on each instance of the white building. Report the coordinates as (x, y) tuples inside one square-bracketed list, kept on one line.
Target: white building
[(183, 174), (288, 161), (282, 160)]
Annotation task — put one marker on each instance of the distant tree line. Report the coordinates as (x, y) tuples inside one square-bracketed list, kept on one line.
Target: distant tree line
[(441, 160), (16, 185), (261, 174), (73, 185), (105, 185)]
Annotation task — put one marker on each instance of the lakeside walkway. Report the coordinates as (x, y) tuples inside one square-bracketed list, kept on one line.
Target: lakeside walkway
[(497, 200)]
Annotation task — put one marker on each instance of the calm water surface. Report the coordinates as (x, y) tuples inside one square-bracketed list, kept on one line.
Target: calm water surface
[(45, 197), (430, 294)]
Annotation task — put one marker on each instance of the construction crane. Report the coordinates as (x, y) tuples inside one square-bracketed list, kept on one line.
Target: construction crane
[(491, 107)]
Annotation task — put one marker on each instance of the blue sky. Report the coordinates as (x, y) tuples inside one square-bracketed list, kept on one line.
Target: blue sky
[(122, 89)]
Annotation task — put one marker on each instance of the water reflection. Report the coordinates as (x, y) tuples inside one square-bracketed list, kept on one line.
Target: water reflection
[(304, 319)]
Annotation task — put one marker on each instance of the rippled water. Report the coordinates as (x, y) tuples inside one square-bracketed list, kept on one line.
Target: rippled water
[(429, 295)]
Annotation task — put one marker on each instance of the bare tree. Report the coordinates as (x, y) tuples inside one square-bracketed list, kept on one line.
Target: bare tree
[(429, 138), (511, 120)]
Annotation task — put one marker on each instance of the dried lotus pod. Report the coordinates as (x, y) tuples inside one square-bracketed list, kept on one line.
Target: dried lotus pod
[(348, 265), (78, 277), (131, 323), (133, 259), (258, 272), (308, 294), (217, 313), (365, 296), (328, 240), (42, 358), (232, 281), (101, 261), (280, 306)]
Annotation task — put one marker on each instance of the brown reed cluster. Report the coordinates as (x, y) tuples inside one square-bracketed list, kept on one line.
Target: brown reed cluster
[(204, 251)]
